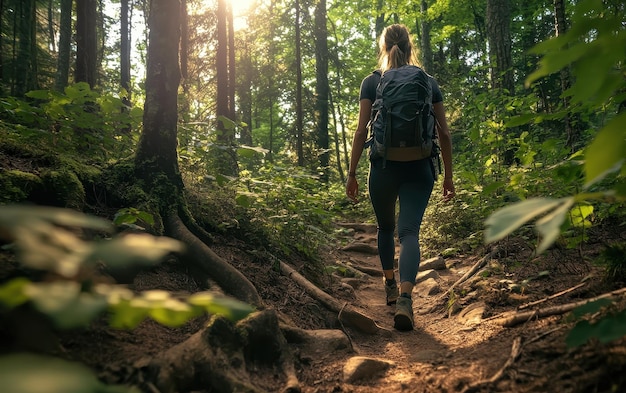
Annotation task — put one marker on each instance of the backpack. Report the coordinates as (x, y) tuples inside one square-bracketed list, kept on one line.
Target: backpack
[(402, 114)]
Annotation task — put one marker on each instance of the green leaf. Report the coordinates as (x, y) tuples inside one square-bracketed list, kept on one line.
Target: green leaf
[(549, 227), (127, 314), (173, 312), (520, 120), (506, 220), (65, 304), (608, 329), (579, 215), (243, 200), (607, 152), (133, 249), (26, 373), (38, 94), (12, 293), (227, 307), (591, 307)]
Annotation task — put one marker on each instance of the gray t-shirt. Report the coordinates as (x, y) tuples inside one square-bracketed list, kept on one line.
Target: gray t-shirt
[(369, 84)]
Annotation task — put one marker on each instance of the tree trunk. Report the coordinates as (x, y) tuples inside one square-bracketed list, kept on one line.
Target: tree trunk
[(499, 34), (25, 61), (51, 32), (231, 62), (225, 157), (157, 150), (125, 50), (560, 28), (65, 44), (244, 94), (380, 21), (86, 42), (2, 76), (299, 110), (426, 51), (322, 88)]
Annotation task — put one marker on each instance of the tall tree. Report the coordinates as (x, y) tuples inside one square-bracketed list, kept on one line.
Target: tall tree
[(156, 160), (226, 160), (426, 51), (125, 49), (560, 28), (157, 150), (321, 87), (499, 35), (299, 109), (26, 62), (231, 61), (86, 42), (65, 46)]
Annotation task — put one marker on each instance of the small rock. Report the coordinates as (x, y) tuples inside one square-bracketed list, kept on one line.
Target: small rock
[(437, 263), (353, 282), (472, 314), (362, 248), (360, 368), (428, 287), (426, 274)]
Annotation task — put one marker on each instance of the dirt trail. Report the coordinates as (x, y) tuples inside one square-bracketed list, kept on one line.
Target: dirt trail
[(442, 354)]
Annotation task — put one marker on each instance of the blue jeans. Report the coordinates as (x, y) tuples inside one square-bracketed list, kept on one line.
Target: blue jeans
[(411, 183)]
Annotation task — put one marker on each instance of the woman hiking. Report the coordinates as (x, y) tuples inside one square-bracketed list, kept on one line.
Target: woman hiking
[(400, 175)]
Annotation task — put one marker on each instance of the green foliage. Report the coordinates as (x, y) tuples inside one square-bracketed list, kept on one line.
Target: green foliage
[(43, 242), (290, 204), (613, 259), (26, 373), (18, 186), (77, 119), (612, 326), (595, 33)]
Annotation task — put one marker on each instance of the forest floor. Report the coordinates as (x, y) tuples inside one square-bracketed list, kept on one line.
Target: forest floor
[(451, 349)]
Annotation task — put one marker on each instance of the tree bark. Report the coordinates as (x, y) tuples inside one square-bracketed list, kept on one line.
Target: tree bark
[(426, 52), (65, 43), (157, 150), (125, 50), (499, 34), (560, 28), (220, 358), (322, 88), (86, 42), (24, 77), (299, 109), (225, 157)]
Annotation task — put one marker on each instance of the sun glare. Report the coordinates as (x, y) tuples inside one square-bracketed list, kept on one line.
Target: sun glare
[(241, 9)]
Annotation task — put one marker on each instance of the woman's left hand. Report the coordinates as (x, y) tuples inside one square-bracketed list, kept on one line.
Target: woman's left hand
[(352, 188)]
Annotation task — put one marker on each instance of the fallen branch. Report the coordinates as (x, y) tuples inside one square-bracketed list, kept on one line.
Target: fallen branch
[(443, 298), (530, 304), (513, 318), (516, 349), (346, 313)]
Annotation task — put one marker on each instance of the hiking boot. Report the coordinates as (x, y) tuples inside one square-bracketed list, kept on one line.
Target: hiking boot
[(403, 319), (391, 290)]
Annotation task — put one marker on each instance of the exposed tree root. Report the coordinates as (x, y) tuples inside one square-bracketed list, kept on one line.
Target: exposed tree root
[(441, 300), (513, 318), (220, 358), (553, 296), (231, 280), (346, 313)]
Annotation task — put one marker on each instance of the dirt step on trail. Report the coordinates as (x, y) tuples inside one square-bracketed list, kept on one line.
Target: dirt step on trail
[(443, 352)]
